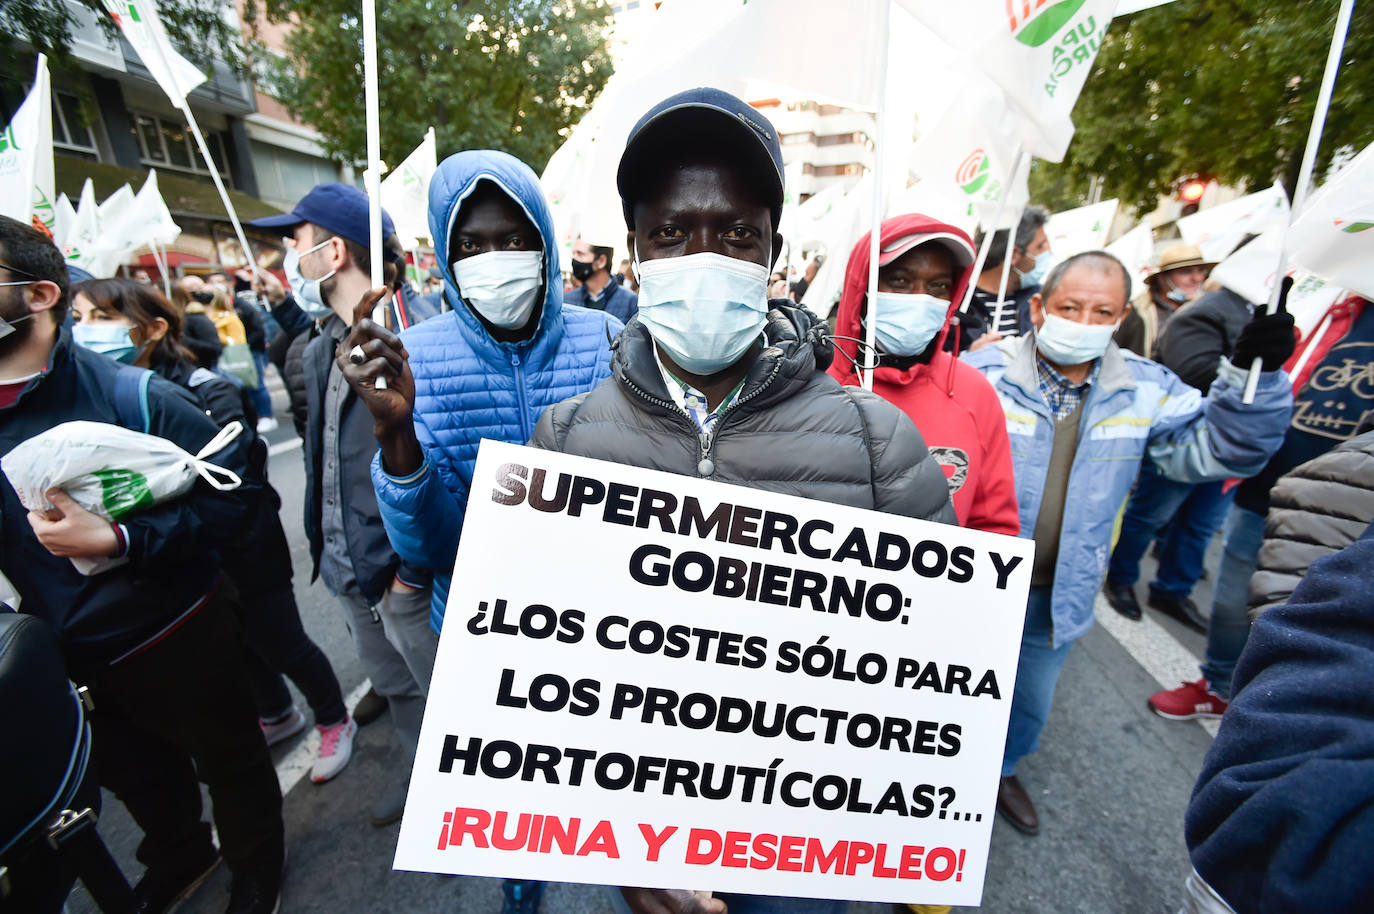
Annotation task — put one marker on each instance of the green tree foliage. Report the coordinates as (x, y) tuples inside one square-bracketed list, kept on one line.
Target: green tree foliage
[(507, 75), (1220, 89), (198, 28)]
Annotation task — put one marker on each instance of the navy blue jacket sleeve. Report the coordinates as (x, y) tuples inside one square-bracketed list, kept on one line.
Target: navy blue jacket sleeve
[(1282, 818), (290, 317)]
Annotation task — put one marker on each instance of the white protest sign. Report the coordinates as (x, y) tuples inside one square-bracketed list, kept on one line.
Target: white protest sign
[(658, 680), (1135, 250)]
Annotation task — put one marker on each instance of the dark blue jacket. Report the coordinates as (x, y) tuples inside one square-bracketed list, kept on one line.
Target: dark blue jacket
[(1282, 818), (172, 546), (615, 299)]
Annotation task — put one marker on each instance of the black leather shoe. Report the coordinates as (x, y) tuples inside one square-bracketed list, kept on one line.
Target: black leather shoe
[(1122, 598), (256, 890), (161, 887), (1181, 608), (1016, 807), (370, 707)]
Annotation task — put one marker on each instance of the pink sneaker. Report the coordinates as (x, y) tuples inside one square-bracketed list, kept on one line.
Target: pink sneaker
[(336, 748), (1191, 700)]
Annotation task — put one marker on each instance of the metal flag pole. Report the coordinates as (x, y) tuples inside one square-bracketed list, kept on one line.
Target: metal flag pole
[(1309, 161), (875, 235), (372, 177)]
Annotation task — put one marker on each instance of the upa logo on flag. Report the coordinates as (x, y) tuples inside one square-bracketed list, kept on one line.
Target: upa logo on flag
[(972, 173), (1349, 226), (1034, 22), (114, 6), (7, 140)]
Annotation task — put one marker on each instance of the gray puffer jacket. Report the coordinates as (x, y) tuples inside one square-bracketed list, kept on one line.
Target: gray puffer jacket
[(792, 429), (1319, 508)]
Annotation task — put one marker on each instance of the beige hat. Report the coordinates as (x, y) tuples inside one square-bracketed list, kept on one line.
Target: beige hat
[(1179, 256)]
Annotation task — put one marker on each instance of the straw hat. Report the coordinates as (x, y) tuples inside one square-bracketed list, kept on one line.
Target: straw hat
[(1179, 256)]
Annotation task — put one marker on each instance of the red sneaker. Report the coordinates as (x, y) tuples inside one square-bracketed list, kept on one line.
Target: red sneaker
[(1191, 700)]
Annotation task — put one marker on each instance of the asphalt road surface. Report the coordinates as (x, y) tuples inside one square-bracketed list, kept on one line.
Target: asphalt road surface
[(1111, 781)]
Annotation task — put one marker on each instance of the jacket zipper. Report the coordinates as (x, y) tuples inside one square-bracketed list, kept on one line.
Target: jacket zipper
[(521, 399)]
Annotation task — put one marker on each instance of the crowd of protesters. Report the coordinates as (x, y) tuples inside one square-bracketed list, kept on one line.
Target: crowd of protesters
[(1065, 413)]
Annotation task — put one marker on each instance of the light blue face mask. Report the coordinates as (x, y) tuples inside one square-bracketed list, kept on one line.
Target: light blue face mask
[(705, 309), (907, 323), (107, 338), (1066, 342), (1036, 274), (306, 291)]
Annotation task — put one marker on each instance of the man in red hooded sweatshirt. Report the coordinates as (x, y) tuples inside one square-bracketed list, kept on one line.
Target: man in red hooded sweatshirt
[(924, 267)]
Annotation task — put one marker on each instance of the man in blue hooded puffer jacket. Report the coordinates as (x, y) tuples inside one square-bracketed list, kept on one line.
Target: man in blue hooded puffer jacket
[(487, 369)]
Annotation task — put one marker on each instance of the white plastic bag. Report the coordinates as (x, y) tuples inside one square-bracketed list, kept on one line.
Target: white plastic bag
[(111, 471)]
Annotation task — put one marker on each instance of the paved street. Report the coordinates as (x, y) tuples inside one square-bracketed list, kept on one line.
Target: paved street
[(1111, 782)]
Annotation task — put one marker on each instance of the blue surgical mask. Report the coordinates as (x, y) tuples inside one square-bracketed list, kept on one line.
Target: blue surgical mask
[(1177, 295), (907, 323), (1067, 342), (109, 339), (705, 309), (1036, 274), (306, 291)]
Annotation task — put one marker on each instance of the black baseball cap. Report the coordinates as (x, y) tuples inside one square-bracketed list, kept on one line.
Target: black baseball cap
[(731, 123), (339, 208)]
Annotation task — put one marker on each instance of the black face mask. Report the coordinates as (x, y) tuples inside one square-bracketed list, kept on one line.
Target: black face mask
[(204, 298), (582, 270)]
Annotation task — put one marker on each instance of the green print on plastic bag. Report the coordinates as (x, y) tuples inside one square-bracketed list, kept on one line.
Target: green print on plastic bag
[(123, 492)]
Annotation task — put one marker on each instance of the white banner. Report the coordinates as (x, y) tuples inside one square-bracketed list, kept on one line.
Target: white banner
[(712, 687), (1039, 51), (79, 246), (1136, 250), (1217, 230), (1082, 229), (142, 26), (26, 168), (1334, 235), (405, 192)]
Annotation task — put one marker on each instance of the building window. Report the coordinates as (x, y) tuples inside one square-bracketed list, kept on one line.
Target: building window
[(798, 139), (70, 130), (169, 144), (829, 110), (840, 139), (836, 171)]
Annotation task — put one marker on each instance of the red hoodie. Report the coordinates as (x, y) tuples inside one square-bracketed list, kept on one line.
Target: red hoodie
[(953, 405)]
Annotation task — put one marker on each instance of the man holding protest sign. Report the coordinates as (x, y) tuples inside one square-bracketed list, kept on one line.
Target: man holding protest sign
[(715, 381), (1083, 414)]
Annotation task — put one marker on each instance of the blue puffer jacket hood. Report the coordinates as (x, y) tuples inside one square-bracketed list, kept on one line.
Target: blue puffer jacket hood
[(454, 181)]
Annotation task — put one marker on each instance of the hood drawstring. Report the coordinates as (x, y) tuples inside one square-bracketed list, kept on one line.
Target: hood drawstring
[(868, 365)]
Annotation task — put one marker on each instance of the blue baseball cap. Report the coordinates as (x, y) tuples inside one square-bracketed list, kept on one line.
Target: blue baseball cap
[(731, 123), (339, 208)]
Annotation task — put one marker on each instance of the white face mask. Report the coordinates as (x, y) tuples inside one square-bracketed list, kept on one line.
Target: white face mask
[(501, 286), (1067, 342), (705, 310), (907, 323), (1036, 274), (307, 292)]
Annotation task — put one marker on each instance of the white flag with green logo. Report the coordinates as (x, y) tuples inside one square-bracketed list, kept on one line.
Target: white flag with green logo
[(142, 26), (405, 192), (1084, 228), (1334, 235), (959, 167), (1039, 51), (26, 170), (79, 245)]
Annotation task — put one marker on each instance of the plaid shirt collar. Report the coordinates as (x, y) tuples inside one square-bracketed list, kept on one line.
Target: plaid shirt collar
[(1061, 394)]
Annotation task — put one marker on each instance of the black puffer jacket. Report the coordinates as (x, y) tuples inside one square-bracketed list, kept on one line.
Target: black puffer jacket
[(1199, 334), (1319, 508), (793, 428)]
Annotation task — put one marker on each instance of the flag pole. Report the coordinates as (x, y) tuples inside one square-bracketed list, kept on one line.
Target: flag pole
[(372, 177), (219, 185), (1309, 161), (875, 235)]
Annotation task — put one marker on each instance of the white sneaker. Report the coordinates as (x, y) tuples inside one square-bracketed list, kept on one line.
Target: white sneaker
[(336, 748), (287, 727), (267, 424)]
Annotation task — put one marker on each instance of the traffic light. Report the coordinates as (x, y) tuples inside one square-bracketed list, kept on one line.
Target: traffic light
[(1189, 195)]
